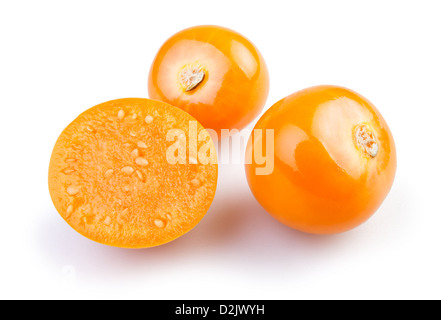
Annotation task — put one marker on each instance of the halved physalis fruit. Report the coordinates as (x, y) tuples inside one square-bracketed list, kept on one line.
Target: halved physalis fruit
[(133, 173)]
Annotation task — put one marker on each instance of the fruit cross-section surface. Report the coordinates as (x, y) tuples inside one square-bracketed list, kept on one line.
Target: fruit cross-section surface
[(113, 176)]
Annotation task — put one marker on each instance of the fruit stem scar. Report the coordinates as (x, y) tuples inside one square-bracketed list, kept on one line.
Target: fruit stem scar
[(191, 76), (365, 140)]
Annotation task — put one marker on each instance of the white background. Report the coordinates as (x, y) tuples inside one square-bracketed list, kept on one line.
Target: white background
[(58, 58)]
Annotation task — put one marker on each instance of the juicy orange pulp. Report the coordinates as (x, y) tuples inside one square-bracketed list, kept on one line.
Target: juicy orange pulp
[(111, 180)]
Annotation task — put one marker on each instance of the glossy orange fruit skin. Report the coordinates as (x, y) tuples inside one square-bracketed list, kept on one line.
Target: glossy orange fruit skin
[(323, 180), (236, 83)]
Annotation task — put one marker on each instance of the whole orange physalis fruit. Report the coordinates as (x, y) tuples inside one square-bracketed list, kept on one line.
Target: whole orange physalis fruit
[(321, 160), (213, 73)]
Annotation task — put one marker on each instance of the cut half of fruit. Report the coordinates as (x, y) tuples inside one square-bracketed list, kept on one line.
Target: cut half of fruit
[(133, 173)]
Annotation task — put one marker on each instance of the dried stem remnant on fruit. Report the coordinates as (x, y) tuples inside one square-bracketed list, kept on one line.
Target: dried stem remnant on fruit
[(366, 140), (191, 76)]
